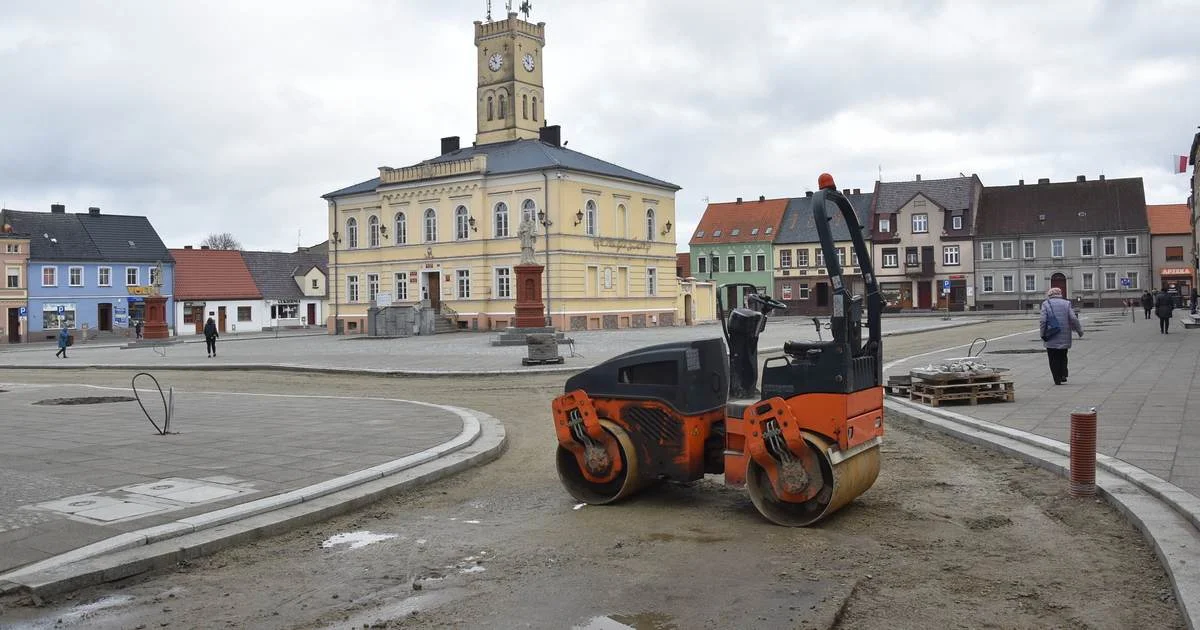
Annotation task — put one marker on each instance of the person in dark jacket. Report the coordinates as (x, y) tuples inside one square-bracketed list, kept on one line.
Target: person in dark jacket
[(210, 337), (1058, 344), (1147, 303), (64, 338), (1164, 306)]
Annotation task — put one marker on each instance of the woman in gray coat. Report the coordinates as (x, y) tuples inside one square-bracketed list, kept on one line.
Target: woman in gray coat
[(1059, 343)]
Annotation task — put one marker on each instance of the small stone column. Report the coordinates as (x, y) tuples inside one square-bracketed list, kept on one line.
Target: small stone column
[(156, 318), (529, 311)]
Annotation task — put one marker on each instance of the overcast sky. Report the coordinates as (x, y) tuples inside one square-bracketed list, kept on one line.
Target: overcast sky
[(237, 116)]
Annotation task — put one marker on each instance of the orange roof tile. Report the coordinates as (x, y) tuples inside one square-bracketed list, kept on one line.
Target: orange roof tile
[(740, 222), (1171, 218), (212, 274)]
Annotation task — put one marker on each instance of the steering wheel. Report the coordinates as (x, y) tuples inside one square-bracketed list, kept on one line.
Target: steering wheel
[(768, 301)]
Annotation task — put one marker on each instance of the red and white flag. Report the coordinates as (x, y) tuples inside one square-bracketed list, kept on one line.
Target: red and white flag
[(1180, 162)]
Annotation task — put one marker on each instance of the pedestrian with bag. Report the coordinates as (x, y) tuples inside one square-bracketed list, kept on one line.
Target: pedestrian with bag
[(1057, 321), (1147, 303), (64, 340), (1164, 307), (210, 336)]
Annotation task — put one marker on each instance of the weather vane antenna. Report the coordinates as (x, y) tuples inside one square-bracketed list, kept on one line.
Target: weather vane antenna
[(525, 8)]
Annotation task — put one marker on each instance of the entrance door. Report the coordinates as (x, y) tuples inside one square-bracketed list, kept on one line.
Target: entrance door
[(822, 294), (14, 325), (221, 318), (925, 294), (104, 316), (434, 278), (1060, 281), (198, 319), (312, 314)]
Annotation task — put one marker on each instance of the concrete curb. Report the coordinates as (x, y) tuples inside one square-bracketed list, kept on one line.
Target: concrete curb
[(482, 440), (1166, 515), (293, 367)]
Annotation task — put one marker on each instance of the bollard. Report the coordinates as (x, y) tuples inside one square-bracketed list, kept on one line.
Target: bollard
[(1083, 453)]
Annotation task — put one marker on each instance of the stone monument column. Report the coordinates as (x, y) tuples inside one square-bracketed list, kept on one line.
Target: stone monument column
[(156, 310), (529, 310)]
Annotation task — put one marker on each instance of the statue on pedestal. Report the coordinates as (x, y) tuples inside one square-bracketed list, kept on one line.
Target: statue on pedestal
[(528, 234), (158, 279)]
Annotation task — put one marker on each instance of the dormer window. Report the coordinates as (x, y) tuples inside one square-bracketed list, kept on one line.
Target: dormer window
[(885, 225), (754, 232), (956, 223), (735, 232), (770, 229), (700, 234), (716, 233)]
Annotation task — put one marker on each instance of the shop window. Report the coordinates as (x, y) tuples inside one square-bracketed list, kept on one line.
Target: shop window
[(244, 313)]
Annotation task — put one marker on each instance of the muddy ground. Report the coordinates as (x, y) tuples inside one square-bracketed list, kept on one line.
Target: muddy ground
[(951, 536)]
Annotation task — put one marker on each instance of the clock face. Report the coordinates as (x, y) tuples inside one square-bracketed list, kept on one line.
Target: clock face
[(528, 62), (495, 61)]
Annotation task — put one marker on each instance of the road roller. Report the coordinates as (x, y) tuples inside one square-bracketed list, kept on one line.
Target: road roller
[(804, 442)]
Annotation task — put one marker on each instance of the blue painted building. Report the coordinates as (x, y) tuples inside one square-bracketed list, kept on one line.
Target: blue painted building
[(91, 269)]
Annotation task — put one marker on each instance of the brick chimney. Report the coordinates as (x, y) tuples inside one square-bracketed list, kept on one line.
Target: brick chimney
[(449, 144), (94, 211), (58, 208)]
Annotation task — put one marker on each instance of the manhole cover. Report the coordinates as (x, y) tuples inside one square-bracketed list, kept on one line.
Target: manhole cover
[(1017, 351), (85, 400)]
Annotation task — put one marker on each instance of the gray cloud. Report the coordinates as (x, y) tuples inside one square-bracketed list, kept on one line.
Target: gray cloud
[(236, 117)]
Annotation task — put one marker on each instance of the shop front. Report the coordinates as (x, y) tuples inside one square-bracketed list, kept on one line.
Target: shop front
[(1178, 282)]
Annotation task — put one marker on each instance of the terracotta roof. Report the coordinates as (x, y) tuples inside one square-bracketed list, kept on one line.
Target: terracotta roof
[(212, 274), (683, 264), (1064, 207), (1171, 218), (740, 222)]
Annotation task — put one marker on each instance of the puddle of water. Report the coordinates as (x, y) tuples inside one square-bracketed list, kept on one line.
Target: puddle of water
[(639, 621), (81, 614), (417, 603), (472, 522), (355, 539), (478, 568)]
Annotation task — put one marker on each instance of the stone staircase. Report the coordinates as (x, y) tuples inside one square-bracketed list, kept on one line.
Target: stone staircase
[(446, 320)]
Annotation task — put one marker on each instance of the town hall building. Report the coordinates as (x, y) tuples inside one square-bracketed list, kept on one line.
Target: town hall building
[(444, 232)]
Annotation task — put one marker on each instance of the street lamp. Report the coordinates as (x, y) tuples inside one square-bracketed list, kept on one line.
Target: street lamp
[(546, 223), (336, 311)]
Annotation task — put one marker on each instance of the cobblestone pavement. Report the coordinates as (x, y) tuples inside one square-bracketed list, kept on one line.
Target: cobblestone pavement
[(75, 474), (451, 352), (1143, 385)]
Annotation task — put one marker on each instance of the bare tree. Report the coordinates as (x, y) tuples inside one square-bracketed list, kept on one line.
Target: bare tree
[(224, 240)]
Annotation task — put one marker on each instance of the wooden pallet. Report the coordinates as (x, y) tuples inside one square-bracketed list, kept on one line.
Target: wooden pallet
[(898, 386), (969, 390)]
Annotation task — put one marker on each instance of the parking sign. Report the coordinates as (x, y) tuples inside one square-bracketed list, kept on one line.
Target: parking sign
[(62, 310), (23, 311), (1126, 282)]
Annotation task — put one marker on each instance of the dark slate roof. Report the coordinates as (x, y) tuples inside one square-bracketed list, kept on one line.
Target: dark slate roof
[(950, 194), (125, 238), (1106, 206), (70, 241), (516, 156), (274, 272), (799, 227)]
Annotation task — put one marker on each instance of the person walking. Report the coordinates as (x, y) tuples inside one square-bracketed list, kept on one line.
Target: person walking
[(1147, 303), (1164, 307), (210, 337), (64, 338), (1057, 321)]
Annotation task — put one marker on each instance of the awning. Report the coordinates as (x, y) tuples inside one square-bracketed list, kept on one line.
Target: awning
[(1175, 271)]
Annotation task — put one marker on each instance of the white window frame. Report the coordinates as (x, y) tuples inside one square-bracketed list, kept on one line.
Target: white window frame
[(885, 225), (100, 280), (802, 257), (1131, 240), (802, 291), (1007, 283), (987, 250), (401, 221), (956, 222), (400, 279), (1011, 250), (1059, 244), (12, 271), (352, 287), (1030, 283), (785, 259), (1134, 278), (841, 254), (1105, 243), (372, 231), (951, 256), (529, 209), (462, 223), (137, 276), (650, 224), (352, 233), (503, 277), (1031, 246), (462, 283), (429, 225), (589, 218), (1091, 244), (1087, 281), (500, 220), (922, 219), (891, 260), (1110, 286), (372, 286), (651, 281), (71, 281), (731, 263), (989, 284)]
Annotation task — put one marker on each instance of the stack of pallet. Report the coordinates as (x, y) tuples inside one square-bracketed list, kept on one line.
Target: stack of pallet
[(968, 380)]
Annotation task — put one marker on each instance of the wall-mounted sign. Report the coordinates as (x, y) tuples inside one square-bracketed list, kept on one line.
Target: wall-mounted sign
[(139, 290), (286, 301)]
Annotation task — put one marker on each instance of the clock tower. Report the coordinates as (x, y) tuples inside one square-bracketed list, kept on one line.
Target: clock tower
[(510, 104)]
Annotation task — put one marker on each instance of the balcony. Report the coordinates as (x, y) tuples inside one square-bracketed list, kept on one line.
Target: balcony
[(918, 269)]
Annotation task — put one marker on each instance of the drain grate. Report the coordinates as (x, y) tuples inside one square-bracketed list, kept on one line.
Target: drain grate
[(1017, 351), (85, 400)]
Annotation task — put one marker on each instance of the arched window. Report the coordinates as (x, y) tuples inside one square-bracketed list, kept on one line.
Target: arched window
[(622, 221), (352, 233), (535, 108), (589, 218), (401, 229), (502, 111), (430, 226), (489, 108), (528, 210), (650, 224), (461, 228), (373, 231), (501, 221), (525, 106)]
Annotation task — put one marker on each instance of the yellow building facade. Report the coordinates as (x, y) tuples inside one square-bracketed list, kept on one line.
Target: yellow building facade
[(444, 232)]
